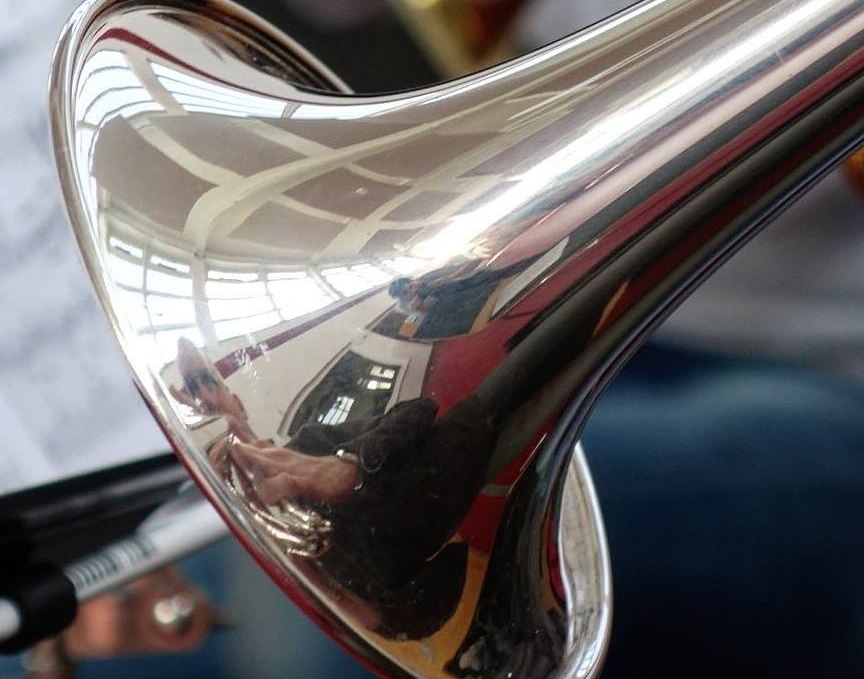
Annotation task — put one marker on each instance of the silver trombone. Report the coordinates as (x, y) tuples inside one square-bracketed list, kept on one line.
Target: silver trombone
[(417, 297)]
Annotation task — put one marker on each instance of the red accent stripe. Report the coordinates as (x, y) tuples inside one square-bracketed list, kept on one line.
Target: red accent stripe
[(229, 364)]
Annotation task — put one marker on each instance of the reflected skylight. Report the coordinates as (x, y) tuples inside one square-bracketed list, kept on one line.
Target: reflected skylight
[(196, 94)]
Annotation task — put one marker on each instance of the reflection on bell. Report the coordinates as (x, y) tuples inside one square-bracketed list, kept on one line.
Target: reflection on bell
[(373, 326)]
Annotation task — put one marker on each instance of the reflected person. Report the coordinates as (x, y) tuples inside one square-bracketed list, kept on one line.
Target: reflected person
[(394, 488)]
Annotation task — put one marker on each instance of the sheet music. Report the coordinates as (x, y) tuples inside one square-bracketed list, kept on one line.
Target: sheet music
[(67, 403)]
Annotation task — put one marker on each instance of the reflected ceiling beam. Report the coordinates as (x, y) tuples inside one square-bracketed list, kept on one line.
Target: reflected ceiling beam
[(358, 232), (140, 66), (173, 149), (308, 147), (207, 214)]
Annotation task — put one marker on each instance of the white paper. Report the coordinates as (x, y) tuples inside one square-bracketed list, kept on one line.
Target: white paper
[(67, 403)]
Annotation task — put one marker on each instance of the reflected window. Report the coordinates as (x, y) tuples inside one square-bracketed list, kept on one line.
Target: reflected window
[(136, 308), (355, 388), (239, 303), (218, 275), (169, 284), (170, 265), (295, 294), (166, 310), (194, 93), (126, 271), (125, 248), (339, 412), (158, 287), (239, 290), (157, 291), (109, 88), (224, 309), (352, 280), (246, 325), (379, 371)]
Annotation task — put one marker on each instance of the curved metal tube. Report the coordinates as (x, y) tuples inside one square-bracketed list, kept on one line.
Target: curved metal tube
[(373, 326)]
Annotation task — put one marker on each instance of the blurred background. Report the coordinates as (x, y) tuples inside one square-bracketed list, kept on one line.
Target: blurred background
[(727, 456)]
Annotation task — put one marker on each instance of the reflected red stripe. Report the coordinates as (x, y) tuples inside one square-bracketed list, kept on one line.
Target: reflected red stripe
[(236, 359)]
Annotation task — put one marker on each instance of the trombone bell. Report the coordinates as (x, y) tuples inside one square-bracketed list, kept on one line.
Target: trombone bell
[(372, 326)]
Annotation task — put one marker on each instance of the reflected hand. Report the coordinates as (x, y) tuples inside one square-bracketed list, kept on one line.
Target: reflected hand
[(284, 474)]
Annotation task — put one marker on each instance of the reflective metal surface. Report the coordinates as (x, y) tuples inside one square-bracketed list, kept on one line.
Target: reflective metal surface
[(373, 326)]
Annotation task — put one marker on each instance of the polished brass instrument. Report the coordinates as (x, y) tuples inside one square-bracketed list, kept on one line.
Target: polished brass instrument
[(406, 304)]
